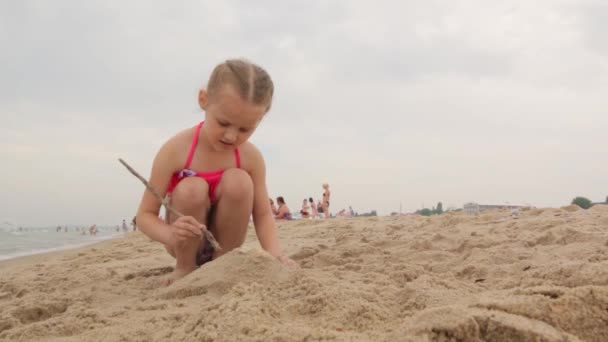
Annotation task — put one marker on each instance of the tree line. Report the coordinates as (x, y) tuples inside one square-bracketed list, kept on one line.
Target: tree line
[(586, 203), (437, 210)]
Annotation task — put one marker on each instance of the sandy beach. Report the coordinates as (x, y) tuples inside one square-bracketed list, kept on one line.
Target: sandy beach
[(539, 276)]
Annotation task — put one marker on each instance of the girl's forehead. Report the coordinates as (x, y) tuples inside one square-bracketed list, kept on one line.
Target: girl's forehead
[(234, 108)]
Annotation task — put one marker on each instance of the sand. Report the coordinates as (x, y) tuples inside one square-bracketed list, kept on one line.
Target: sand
[(541, 276)]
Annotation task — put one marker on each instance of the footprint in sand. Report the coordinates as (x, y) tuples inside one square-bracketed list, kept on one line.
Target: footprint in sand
[(176, 275), (39, 311), (149, 273)]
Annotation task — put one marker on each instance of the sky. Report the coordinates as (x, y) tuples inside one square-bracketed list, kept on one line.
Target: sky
[(396, 104)]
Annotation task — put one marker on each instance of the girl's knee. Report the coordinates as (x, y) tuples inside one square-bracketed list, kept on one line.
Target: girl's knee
[(192, 191), (236, 183)]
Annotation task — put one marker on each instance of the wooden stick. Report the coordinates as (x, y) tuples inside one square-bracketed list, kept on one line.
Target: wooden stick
[(207, 234)]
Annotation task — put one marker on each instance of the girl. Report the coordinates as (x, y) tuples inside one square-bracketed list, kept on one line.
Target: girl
[(213, 175)]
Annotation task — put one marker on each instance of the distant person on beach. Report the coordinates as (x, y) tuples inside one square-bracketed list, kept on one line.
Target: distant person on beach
[(124, 226), (273, 207), (93, 230), (320, 208), (283, 212), (213, 175), (134, 223), (305, 209), (326, 195), (313, 208)]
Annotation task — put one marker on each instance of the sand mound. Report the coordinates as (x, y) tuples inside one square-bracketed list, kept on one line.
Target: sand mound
[(218, 278), (571, 208), (539, 276)]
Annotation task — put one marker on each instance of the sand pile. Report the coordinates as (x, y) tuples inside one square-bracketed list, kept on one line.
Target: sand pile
[(541, 275)]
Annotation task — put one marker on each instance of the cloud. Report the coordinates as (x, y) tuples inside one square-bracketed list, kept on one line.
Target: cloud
[(390, 102)]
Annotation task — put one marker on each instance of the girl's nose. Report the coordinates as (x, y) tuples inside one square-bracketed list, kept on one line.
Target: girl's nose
[(230, 136)]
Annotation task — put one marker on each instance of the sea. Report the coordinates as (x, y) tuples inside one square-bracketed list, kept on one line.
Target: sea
[(18, 242)]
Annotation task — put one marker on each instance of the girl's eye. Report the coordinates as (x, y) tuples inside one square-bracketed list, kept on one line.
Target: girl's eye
[(244, 130), (223, 124)]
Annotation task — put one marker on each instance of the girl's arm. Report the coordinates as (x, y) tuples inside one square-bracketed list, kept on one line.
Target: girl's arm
[(148, 221), (263, 219)]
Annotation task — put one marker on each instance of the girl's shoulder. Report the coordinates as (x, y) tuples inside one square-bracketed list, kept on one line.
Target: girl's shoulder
[(174, 151), (181, 139), (251, 157), (248, 149)]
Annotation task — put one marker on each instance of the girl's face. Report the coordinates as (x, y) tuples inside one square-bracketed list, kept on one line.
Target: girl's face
[(229, 120)]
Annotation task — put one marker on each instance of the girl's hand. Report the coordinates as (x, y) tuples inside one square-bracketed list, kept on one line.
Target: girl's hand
[(287, 262), (186, 228)]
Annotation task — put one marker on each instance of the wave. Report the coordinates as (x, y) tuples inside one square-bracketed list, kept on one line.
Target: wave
[(58, 248)]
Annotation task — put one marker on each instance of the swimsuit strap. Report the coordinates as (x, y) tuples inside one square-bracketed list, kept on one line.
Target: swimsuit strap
[(194, 143), (238, 158)]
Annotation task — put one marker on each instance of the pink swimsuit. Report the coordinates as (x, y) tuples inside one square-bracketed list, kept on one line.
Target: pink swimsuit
[(212, 178)]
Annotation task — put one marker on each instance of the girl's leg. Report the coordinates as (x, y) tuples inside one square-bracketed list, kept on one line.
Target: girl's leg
[(233, 209), (191, 198), (326, 210)]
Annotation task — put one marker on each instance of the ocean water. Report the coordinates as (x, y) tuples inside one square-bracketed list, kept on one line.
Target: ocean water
[(28, 241)]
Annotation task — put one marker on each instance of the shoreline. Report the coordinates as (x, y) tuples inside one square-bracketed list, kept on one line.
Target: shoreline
[(52, 252)]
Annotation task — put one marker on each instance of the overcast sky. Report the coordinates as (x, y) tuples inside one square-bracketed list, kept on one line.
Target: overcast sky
[(391, 102)]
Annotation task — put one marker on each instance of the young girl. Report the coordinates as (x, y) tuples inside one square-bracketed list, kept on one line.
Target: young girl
[(305, 207), (213, 175)]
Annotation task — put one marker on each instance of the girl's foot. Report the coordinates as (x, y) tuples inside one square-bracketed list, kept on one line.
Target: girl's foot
[(177, 274)]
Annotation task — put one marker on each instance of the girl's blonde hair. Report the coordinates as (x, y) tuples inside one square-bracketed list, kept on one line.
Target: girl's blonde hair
[(250, 81)]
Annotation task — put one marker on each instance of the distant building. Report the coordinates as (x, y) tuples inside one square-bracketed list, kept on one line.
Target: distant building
[(476, 208)]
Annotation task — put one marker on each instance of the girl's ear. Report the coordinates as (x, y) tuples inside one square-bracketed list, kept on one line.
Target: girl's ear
[(203, 99)]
